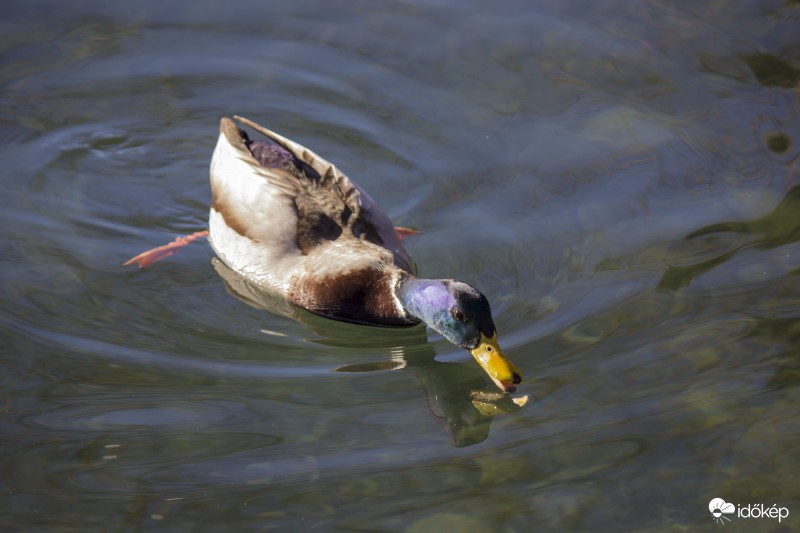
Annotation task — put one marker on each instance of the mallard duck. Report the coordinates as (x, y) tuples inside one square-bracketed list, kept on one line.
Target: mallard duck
[(291, 223)]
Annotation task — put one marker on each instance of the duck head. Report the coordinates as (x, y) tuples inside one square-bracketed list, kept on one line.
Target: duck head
[(461, 314)]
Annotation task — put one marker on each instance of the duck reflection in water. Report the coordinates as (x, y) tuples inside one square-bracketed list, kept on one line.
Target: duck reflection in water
[(456, 393)]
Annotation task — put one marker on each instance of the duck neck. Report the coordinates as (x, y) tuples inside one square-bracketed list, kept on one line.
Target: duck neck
[(426, 299)]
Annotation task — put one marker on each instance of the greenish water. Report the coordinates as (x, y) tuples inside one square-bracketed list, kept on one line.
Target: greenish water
[(620, 179)]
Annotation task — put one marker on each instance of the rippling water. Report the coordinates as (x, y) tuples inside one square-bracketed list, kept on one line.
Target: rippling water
[(621, 180)]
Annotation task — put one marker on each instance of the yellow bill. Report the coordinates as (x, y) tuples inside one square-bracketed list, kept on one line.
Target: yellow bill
[(502, 371)]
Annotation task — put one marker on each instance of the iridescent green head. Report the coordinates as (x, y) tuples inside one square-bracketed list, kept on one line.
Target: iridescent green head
[(461, 314)]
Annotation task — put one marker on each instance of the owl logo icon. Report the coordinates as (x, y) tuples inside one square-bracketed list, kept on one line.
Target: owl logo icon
[(719, 508)]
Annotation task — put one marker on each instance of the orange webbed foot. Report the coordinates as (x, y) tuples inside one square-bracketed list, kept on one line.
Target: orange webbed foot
[(156, 254), (402, 232)]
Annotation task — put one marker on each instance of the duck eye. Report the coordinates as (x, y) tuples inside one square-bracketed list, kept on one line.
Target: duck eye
[(457, 314)]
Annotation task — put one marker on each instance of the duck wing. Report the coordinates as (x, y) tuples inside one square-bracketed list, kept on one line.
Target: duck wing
[(329, 205)]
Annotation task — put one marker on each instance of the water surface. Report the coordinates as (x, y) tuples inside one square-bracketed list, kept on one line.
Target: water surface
[(620, 179)]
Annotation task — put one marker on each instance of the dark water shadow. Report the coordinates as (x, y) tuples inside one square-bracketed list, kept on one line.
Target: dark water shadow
[(785, 331), (456, 393), (778, 228)]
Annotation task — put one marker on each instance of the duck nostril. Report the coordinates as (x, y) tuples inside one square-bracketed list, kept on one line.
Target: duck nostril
[(517, 378)]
